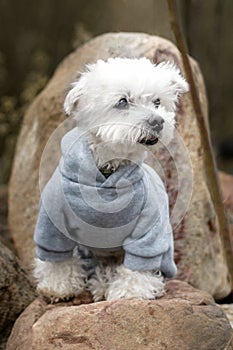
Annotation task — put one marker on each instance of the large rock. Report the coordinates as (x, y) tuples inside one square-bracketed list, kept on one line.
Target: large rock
[(183, 319), (5, 236), (226, 181), (16, 291), (228, 309), (198, 250)]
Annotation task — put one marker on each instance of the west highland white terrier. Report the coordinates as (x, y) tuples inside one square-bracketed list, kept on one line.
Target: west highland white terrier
[(103, 222)]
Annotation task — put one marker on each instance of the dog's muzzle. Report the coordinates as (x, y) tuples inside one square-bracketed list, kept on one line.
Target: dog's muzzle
[(154, 125)]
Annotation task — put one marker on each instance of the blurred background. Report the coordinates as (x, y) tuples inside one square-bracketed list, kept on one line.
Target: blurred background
[(36, 35)]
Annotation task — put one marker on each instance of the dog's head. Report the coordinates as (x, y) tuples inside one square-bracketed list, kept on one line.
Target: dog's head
[(127, 100)]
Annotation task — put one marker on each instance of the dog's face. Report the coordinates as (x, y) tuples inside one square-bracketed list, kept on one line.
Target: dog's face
[(127, 100)]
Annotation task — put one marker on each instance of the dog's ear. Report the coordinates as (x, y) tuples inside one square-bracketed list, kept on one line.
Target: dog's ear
[(172, 84), (173, 75), (178, 83), (73, 95)]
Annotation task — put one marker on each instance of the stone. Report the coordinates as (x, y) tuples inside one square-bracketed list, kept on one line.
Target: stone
[(198, 250), (5, 236), (185, 318), (226, 182), (228, 309), (16, 291)]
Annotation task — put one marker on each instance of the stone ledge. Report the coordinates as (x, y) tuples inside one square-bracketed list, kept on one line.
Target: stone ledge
[(185, 318)]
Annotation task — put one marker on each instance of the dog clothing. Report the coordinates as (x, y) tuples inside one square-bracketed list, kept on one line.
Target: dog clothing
[(79, 206)]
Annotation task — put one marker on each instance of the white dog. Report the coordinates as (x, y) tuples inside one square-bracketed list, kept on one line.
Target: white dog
[(103, 223)]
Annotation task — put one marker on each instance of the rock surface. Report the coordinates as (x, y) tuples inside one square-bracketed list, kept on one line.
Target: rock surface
[(16, 291), (227, 192), (183, 319), (228, 309), (5, 235), (198, 250)]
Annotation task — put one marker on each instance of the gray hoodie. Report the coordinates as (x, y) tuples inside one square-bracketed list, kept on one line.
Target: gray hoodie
[(80, 207)]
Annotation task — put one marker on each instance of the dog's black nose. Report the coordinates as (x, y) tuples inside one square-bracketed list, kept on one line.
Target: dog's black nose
[(156, 122)]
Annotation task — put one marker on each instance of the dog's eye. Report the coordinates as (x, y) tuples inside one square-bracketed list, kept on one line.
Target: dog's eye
[(156, 102), (122, 103)]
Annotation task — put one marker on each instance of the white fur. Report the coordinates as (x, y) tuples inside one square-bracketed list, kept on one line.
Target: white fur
[(60, 280), (134, 284), (114, 136), (93, 98), (100, 282), (116, 283)]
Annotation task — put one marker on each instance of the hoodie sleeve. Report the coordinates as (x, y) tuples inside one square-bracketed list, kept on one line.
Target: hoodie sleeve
[(51, 244), (153, 251), (150, 246)]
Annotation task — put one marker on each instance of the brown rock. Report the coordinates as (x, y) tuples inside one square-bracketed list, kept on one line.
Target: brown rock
[(183, 319), (228, 309), (198, 249), (5, 236), (226, 182), (16, 291)]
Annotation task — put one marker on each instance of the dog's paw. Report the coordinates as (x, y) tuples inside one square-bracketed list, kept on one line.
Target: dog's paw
[(52, 297), (59, 281), (135, 284), (99, 283)]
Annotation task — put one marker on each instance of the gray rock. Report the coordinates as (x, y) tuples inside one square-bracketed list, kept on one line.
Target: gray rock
[(16, 291), (228, 309)]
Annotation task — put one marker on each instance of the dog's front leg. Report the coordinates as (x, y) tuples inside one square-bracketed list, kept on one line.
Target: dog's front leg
[(127, 283), (59, 280)]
